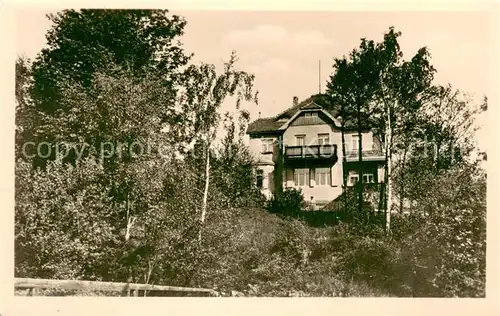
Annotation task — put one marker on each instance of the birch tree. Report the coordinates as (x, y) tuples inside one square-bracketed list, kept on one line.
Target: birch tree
[(204, 93), (403, 88)]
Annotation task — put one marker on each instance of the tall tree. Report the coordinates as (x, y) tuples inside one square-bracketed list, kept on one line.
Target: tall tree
[(403, 88), (379, 88), (352, 86), (205, 91), (444, 138), (83, 43), (24, 107)]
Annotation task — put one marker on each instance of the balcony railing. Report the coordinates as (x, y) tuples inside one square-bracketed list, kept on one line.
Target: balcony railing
[(369, 155), (312, 151)]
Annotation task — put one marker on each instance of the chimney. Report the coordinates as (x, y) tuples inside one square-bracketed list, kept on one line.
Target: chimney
[(295, 100)]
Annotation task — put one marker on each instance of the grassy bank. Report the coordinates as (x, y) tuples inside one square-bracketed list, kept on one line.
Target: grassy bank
[(268, 255)]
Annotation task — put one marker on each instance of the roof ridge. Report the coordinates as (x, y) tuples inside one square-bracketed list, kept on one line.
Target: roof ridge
[(312, 103), (297, 106)]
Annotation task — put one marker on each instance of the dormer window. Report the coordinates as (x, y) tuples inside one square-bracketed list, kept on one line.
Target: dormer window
[(310, 114)]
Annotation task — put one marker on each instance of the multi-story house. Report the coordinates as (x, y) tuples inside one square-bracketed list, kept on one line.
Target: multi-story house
[(302, 148)]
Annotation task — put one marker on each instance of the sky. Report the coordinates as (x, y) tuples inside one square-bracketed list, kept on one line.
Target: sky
[(285, 49)]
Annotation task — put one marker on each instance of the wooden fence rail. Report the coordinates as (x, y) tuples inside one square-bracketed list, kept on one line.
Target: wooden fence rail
[(125, 288)]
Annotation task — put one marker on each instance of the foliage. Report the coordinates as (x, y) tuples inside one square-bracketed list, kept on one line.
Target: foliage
[(130, 216), (436, 250), (24, 107), (449, 233), (82, 42), (289, 202), (233, 167), (377, 89), (64, 226), (126, 116)]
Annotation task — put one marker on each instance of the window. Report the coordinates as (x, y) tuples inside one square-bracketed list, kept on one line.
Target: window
[(323, 176), (310, 114), (368, 178), (301, 177), (267, 145), (300, 140), (323, 139), (355, 142), (312, 176), (260, 178), (353, 179)]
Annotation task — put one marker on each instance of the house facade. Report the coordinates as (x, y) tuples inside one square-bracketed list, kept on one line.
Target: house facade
[(302, 148)]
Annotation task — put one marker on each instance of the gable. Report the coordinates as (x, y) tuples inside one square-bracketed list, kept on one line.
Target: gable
[(317, 119), (276, 124)]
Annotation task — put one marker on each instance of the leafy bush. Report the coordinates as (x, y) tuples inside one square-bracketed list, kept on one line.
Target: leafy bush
[(448, 235), (63, 226), (438, 249), (289, 202)]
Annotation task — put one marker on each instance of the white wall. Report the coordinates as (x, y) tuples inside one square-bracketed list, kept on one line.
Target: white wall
[(367, 140), (255, 145), (318, 192), (311, 132)]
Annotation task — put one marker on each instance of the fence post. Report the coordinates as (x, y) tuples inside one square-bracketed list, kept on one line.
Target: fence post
[(33, 291), (129, 280)]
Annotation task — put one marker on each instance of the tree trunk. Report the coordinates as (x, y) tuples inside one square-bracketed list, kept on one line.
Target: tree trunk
[(205, 193), (386, 177), (360, 165), (344, 172), (402, 186), (130, 219), (388, 168)]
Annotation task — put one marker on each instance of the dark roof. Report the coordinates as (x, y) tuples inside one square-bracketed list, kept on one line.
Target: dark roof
[(294, 108), (311, 106), (264, 125), (271, 124)]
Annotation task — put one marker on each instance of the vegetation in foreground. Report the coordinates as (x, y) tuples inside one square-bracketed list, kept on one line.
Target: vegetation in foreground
[(89, 209)]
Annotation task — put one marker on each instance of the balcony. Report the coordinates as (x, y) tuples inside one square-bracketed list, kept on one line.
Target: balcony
[(367, 155), (311, 152)]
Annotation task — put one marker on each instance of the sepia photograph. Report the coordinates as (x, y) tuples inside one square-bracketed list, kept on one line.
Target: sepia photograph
[(234, 153)]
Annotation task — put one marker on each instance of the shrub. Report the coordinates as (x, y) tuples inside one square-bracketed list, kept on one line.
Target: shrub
[(449, 235), (289, 202), (63, 222)]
